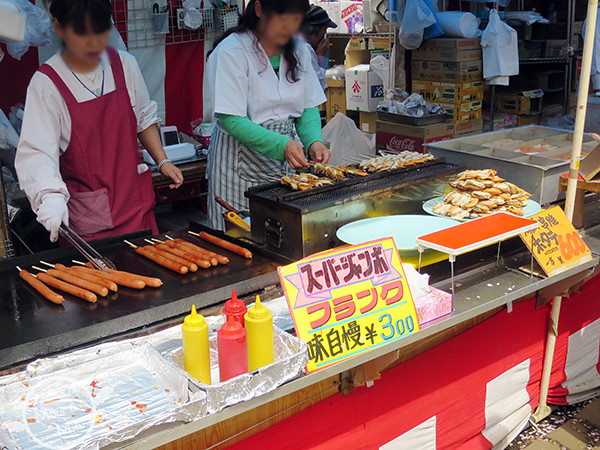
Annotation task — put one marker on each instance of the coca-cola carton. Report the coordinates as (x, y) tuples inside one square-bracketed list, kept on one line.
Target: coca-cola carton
[(398, 137)]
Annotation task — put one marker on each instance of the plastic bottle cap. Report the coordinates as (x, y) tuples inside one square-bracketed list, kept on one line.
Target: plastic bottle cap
[(194, 319), (235, 305), (258, 311), (232, 327)]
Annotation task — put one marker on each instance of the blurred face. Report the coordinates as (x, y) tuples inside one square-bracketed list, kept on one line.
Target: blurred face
[(278, 29), (85, 49)]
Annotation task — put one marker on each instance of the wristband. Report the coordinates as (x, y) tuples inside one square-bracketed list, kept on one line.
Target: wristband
[(163, 162)]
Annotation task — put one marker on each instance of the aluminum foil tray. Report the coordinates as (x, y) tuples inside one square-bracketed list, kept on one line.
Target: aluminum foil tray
[(291, 356), (89, 405)]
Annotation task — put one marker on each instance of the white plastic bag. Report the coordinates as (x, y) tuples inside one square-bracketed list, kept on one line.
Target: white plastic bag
[(459, 24), (381, 66), (417, 16), (500, 49), (346, 140), (37, 29)]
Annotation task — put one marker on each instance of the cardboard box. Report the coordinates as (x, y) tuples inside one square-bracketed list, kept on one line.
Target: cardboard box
[(456, 44), (336, 98), (525, 102), (449, 72), (450, 50), (436, 91), (464, 112), (468, 129), (502, 121), (555, 49), (364, 88), (367, 122), (398, 137), (523, 120)]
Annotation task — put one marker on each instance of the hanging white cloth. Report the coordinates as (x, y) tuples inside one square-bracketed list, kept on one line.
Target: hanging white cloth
[(500, 49)]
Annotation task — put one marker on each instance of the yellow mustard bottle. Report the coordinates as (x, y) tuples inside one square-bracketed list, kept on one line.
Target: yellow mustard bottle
[(258, 322), (196, 352)]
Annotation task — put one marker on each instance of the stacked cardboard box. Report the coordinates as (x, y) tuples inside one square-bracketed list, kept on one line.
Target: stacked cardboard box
[(448, 72), (526, 106)]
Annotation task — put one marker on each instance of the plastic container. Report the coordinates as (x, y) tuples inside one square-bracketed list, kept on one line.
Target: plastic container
[(196, 350), (235, 308), (259, 327), (12, 23), (233, 350)]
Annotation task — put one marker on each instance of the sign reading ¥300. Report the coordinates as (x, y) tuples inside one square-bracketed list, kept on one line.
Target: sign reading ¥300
[(347, 301)]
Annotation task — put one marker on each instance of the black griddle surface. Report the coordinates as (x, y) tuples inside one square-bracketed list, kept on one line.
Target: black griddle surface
[(31, 326)]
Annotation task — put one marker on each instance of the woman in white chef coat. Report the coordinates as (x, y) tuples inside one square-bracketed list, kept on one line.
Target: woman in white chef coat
[(260, 87), (86, 107)]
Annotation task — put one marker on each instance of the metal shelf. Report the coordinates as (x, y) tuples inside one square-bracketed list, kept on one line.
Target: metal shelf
[(544, 61), (352, 35)]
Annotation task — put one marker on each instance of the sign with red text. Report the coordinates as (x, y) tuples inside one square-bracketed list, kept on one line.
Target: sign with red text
[(347, 301), (555, 244)]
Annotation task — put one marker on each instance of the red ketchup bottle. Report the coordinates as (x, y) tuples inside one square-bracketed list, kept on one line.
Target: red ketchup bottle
[(235, 308), (233, 350)]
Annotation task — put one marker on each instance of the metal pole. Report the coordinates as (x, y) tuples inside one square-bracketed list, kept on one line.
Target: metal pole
[(543, 409)]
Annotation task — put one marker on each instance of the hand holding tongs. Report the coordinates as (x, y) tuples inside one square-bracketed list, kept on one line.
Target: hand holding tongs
[(98, 261)]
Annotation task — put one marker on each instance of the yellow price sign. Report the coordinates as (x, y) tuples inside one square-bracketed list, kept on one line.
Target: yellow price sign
[(555, 244), (347, 301)]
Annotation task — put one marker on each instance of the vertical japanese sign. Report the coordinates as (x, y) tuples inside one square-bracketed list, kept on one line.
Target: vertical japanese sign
[(347, 301), (555, 244)]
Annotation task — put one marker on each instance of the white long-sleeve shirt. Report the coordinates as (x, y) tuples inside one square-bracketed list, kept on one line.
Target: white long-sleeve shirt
[(46, 129)]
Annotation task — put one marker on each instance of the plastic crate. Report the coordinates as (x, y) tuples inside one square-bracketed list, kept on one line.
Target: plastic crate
[(226, 18)]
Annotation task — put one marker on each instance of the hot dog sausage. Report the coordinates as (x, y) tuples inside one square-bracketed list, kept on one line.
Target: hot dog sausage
[(68, 288), (75, 280), (110, 285), (150, 253), (226, 245), (36, 284), (200, 262), (220, 258), (119, 279), (149, 281), (192, 267)]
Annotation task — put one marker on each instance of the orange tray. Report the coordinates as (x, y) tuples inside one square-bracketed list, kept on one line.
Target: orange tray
[(477, 233)]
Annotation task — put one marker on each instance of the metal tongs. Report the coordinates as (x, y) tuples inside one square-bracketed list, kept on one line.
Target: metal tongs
[(98, 261)]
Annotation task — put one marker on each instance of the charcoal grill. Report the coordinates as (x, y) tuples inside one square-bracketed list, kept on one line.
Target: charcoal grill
[(299, 223)]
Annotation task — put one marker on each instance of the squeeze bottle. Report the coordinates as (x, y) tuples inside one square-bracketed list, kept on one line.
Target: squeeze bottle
[(259, 326), (233, 351), (196, 353), (236, 308)]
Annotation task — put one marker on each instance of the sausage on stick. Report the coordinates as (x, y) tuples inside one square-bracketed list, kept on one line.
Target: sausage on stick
[(75, 280), (110, 285), (118, 279), (192, 267), (220, 258), (68, 288), (150, 281), (225, 244), (152, 254), (198, 254), (200, 262), (36, 284)]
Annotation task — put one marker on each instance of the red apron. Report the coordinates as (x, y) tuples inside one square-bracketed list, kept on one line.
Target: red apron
[(99, 167)]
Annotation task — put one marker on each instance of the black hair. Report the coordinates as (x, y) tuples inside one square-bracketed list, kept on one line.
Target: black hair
[(249, 22), (81, 14)]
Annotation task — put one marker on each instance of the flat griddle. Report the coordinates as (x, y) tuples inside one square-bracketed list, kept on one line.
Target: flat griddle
[(31, 326)]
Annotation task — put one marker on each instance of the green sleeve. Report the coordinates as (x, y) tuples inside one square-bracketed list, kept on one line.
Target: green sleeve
[(308, 127), (254, 136)]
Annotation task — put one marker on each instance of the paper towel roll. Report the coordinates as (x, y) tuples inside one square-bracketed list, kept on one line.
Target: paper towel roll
[(459, 24)]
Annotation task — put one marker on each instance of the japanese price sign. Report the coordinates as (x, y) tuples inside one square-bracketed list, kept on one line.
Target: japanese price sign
[(555, 244), (347, 301)]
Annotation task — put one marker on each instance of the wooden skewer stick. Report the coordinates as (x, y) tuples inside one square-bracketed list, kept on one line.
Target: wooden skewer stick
[(149, 241), (158, 240), (47, 264), (131, 244), (169, 237), (39, 268), (78, 262)]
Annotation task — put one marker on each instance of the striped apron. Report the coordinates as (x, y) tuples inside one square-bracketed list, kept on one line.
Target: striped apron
[(233, 168)]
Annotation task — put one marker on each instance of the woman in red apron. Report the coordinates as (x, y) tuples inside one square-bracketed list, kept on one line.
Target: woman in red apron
[(78, 159)]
